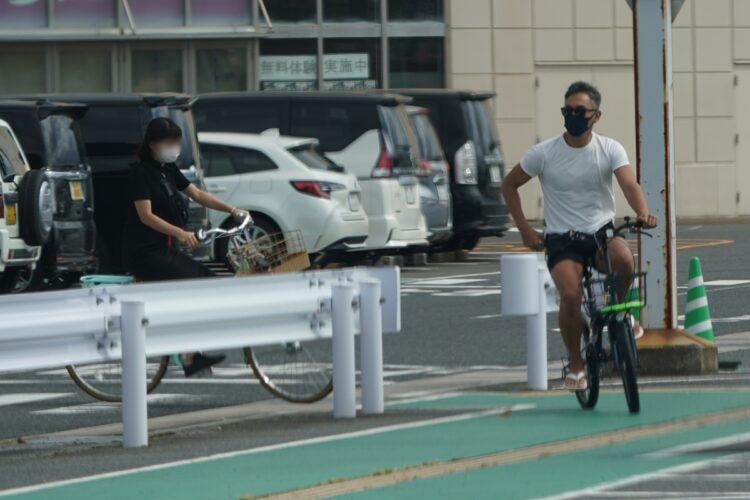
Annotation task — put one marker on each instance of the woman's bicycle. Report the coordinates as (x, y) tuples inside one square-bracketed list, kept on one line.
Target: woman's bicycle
[(604, 312), (299, 372)]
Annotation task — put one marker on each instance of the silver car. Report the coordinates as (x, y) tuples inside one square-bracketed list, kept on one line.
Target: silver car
[(434, 185)]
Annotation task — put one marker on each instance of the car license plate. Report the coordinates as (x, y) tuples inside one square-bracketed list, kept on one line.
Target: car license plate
[(353, 202), (76, 190), (10, 214), (495, 175), (410, 198)]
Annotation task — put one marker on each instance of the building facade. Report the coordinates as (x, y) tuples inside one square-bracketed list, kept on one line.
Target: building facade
[(528, 51)]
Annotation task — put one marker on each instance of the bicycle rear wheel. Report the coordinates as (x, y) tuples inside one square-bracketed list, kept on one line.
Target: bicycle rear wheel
[(588, 398), (298, 372), (625, 360), (103, 381)]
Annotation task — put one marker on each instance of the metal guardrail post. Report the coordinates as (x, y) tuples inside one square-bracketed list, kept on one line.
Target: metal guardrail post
[(344, 394), (371, 347), (134, 407), (536, 337)]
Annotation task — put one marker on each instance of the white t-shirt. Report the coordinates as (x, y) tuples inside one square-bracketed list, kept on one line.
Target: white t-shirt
[(576, 182)]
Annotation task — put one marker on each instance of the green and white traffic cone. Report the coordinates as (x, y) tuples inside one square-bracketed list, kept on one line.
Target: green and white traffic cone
[(697, 315)]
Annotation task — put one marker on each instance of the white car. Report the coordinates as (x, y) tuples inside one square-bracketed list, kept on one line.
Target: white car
[(26, 210), (287, 185)]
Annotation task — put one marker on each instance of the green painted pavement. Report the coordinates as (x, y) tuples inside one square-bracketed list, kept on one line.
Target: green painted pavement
[(558, 474), (555, 418)]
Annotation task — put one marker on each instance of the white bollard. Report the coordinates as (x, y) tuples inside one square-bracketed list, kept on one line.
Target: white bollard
[(536, 338), (371, 347), (134, 406), (344, 393)]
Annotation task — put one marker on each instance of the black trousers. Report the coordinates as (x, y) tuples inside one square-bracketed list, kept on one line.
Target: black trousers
[(162, 264)]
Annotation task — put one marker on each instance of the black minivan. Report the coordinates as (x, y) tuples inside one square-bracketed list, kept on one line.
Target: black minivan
[(465, 123), (113, 128), (50, 136)]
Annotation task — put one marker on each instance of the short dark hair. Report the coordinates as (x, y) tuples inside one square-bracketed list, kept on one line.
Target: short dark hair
[(586, 88), (158, 129)]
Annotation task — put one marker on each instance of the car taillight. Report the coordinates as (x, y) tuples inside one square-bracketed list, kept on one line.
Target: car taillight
[(425, 168), (384, 167), (466, 164), (317, 189)]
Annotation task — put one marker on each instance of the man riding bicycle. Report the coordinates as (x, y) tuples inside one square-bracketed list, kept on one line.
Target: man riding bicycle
[(575, 170)]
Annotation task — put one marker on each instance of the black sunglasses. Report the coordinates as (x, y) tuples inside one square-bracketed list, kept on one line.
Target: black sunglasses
[(577, 111)]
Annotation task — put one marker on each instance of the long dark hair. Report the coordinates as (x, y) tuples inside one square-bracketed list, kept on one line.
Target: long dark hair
[(158, 129)]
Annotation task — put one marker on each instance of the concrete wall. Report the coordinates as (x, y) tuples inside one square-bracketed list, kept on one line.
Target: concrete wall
[(528, 51)]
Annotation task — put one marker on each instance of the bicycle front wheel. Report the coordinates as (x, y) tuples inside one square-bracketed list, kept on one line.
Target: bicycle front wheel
[(589, 397), (298, 372), (625, 358), (103, 381)]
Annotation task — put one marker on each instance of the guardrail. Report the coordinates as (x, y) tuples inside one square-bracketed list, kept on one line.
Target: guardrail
[(54, 329)]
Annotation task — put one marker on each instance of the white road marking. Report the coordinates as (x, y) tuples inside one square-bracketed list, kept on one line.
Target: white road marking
[(700, 446), (31, 397), (488, 316), (102, 407), (726, 282), (253, 451), (446, 281)]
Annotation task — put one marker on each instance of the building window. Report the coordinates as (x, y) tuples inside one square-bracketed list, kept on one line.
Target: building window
[(415, 10), (288, 64), (292, 11), (337, 11), (84, 13), (351, 63), (18, 15), (416, 62), (221, 70), (23, 73), (85, 70), (155, 14), (156, 70), (220, 13)]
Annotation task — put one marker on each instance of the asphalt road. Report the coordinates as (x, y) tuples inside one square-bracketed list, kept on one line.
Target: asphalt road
[(451, 325)]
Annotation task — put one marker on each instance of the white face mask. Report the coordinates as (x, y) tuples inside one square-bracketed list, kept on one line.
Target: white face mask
[(168, 154)]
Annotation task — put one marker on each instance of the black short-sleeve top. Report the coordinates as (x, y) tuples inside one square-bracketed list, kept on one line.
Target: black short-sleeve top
[(145, 183)]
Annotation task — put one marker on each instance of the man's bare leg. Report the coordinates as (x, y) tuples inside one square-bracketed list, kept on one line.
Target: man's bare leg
[(567, 275)]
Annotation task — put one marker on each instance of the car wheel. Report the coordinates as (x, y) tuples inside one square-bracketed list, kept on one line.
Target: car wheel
[(36, 208), (262, 226)]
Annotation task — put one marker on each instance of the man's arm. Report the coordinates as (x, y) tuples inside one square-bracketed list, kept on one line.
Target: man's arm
[(634, 194), (514, 180)]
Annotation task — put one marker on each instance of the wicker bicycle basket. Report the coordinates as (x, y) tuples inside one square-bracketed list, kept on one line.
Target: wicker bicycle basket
[(274, 253)]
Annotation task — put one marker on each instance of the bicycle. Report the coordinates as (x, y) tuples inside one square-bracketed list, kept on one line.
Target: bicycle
[(298, 372), (615, 317)]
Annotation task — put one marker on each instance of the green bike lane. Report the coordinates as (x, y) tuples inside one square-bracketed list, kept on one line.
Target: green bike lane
[(484, 425)]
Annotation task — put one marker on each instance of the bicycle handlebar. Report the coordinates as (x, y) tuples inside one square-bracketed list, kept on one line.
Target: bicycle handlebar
[(631, 227), (207, 236)]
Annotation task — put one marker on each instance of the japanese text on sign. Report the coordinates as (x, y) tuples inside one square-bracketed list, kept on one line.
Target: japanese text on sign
[(335, 67)]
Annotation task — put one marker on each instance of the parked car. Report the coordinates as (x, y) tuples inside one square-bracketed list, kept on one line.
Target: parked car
[(51, 139), (26, 210), (113, 128), (368, 134), (465, 123), (434, 185), (286, 185)]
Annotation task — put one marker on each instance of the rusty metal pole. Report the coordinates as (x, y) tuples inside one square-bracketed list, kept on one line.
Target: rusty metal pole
[(652, 31)]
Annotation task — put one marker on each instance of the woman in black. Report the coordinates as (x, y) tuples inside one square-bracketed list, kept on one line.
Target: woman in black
[(153, 226)]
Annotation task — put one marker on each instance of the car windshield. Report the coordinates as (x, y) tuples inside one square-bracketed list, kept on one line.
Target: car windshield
[(399, 135), (429, 144), (61, 141), (482, 126), (308, 155)]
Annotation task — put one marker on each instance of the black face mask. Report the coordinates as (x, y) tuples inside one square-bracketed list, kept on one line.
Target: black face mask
[(576, 124)]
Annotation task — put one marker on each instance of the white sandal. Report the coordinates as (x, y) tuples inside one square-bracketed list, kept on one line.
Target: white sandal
[(576, 381)]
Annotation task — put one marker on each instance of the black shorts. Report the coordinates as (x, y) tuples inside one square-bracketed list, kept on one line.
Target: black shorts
[(575, 246)]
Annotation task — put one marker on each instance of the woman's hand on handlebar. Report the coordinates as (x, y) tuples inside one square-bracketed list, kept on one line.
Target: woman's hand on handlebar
[(239, 215), (649, 221), (188, 239)]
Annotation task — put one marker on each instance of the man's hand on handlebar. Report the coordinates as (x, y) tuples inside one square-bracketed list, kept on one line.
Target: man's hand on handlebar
[(188, 240), (649, 221)]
